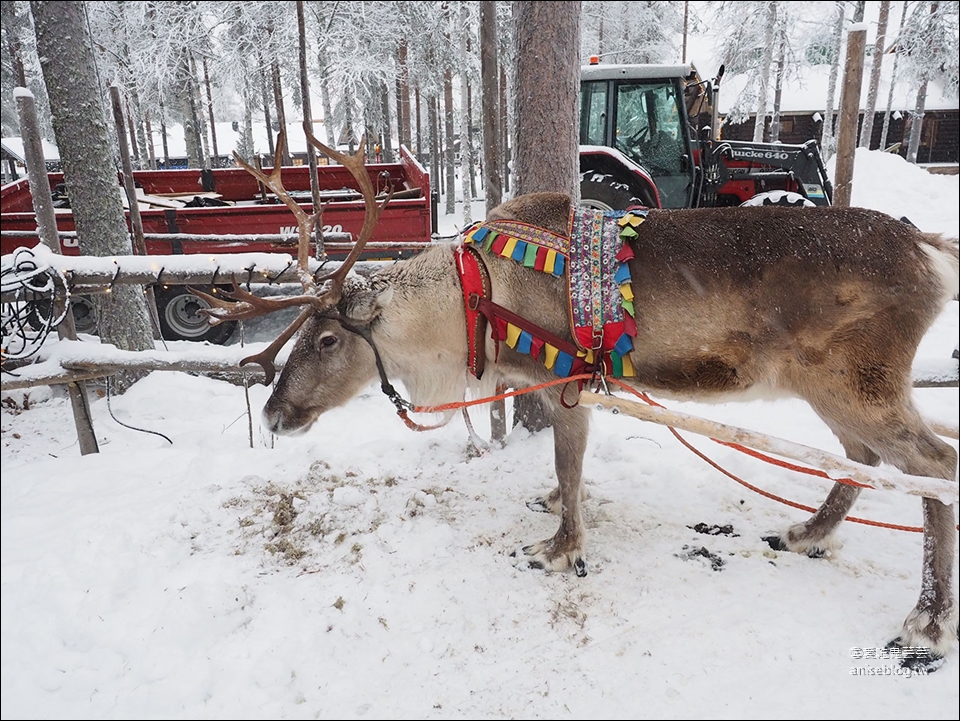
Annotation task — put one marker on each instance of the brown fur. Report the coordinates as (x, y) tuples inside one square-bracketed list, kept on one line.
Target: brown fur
[(825, 304)]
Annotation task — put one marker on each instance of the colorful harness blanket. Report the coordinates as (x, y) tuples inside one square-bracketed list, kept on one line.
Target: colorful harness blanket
[(594, 257)]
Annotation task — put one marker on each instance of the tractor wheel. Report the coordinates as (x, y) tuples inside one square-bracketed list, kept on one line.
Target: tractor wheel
[(603, 191), (180, 317), (782, 198)]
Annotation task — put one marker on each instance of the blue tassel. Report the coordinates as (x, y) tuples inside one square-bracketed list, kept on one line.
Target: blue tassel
[(563, 365), (624, 345), (524, 342)]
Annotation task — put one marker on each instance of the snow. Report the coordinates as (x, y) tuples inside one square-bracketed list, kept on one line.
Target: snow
[(363, 570)]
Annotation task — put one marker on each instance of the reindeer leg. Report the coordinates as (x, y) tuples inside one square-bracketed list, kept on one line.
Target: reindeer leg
[(815, 536), (930, 629), (551, 503), (566, 549), (898, 435)]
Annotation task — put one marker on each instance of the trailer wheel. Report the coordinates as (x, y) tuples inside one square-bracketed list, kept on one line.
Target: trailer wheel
[(84, 315), (781, 198), (602, 191), (180, 317)]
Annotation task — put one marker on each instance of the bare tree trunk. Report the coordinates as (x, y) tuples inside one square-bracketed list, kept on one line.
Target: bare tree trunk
[(450, 190), (849, 111), (866, 130), (163, 135), (489, 105), (827, 142), (466, 154), (203, 131), (492, 153), (307, 110), (505, 130), (769, 31), (152, 153), (387, 139), (403, 96), (188, 108), (90, 175), (916, 123), (265, 96), (778, 88), (419, 132), (916, 117), (325, 101), (145, 154), (548, 42), (215, 152), (434, 122), (278, 104), (893, 83), (14, 23)]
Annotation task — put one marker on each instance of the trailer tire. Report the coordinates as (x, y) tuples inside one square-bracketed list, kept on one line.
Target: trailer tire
[(84, 315), (81, 307), (180, 319), (782, 198), (602, 191)]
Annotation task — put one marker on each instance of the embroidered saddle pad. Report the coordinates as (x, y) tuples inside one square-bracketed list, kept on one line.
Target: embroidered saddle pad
[(594, 256)]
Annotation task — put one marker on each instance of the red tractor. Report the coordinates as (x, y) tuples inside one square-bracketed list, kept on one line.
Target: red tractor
[(648, 139)]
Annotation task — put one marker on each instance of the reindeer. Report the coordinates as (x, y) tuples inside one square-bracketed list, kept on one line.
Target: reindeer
[(825, 304)]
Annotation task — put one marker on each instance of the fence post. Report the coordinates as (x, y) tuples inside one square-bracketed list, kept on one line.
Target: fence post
[(47, 227)]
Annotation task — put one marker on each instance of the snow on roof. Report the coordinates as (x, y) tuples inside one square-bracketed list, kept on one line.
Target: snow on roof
[(14, 147)]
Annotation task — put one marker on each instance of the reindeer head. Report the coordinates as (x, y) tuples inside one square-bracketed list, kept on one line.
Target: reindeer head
[(331, 361)]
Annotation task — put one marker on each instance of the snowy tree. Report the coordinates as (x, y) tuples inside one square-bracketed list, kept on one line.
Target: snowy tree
[(20, 67), (929, 50), (87, 152), (632, 32), (876, 63)]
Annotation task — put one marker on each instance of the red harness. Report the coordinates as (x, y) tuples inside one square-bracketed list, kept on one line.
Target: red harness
[(481, 311)]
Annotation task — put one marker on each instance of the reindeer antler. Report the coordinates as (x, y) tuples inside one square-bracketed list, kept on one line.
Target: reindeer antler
[(247, 305)]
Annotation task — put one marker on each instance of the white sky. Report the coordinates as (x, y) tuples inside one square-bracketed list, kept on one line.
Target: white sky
[(139, 582)]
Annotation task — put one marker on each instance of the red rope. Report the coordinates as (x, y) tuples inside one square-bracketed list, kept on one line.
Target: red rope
[(775, 462), (736, 446)]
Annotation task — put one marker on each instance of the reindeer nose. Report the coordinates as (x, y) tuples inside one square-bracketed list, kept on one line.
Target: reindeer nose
[(272, 418)]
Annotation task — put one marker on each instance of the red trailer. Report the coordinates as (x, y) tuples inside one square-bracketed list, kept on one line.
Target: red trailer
[(175, 204)]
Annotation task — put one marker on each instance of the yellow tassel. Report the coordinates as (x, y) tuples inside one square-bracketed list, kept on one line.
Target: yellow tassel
[(513, 335), (550, 355)]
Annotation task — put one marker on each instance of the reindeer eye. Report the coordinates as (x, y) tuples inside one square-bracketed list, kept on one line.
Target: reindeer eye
[(328, 341)]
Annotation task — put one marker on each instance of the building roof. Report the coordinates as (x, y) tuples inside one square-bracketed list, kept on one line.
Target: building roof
[(13, 148)]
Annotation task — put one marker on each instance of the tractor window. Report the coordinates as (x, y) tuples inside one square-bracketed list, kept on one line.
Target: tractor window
[(593, 113), (648, 127)]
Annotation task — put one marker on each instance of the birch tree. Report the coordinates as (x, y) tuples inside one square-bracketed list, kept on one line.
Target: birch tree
[(930, 52), (866, 129)]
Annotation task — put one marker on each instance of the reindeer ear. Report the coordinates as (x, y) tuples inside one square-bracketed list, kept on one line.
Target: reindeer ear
[(363, 300)]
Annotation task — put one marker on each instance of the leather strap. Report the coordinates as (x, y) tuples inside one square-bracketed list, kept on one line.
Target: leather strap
[(475, 282)]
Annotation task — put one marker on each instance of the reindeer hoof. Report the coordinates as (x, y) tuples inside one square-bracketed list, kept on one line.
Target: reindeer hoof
[(778, 544), (537, 558), (918, 659), (539, 505), (775, 542), (580, 567)]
